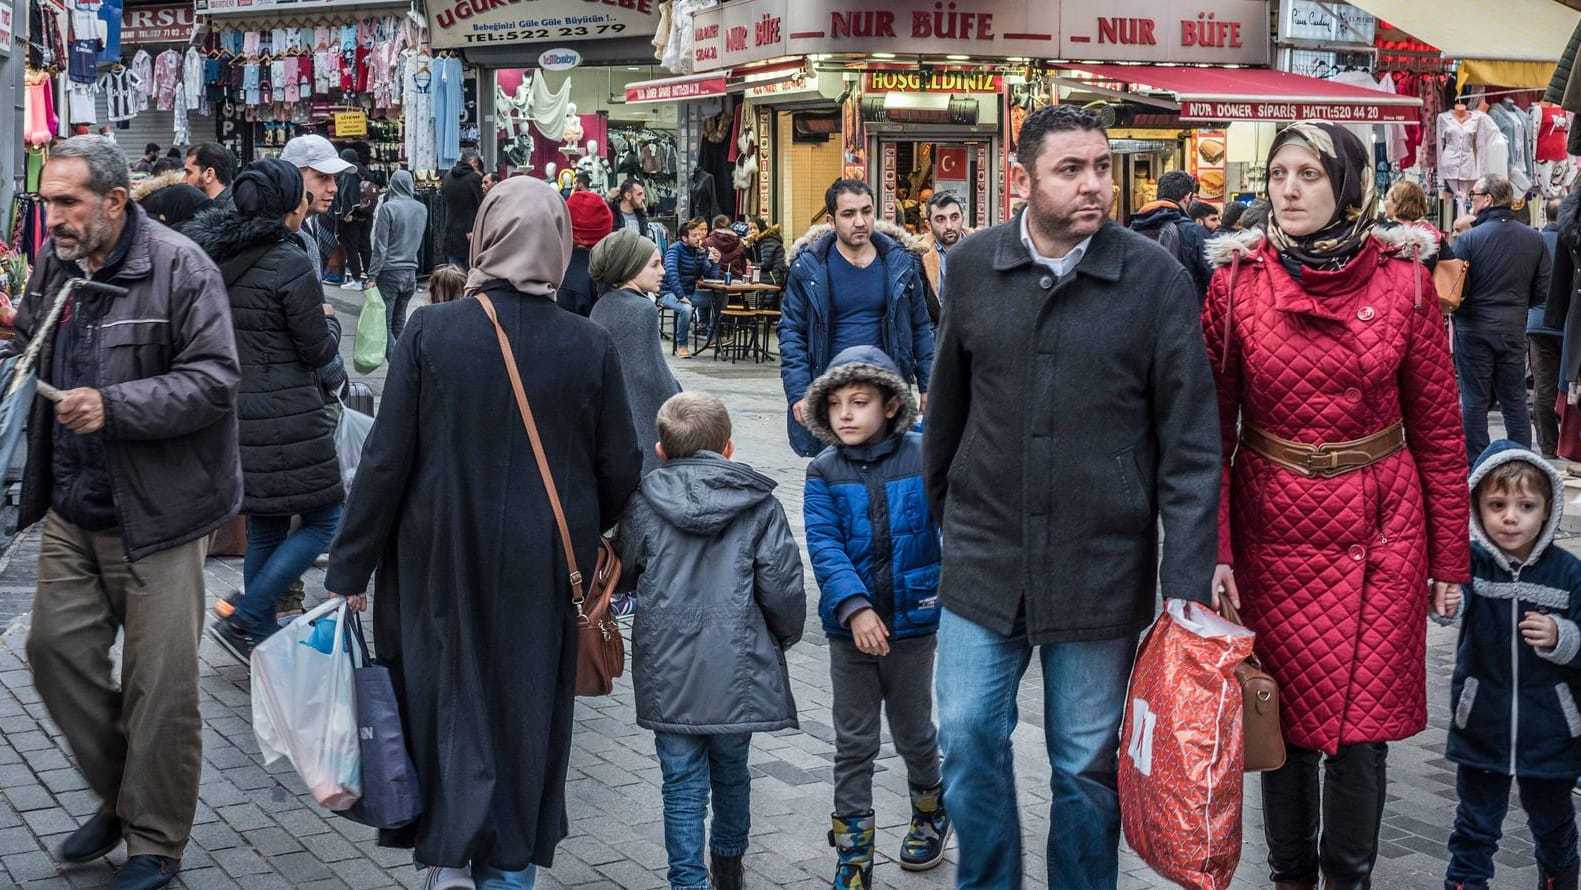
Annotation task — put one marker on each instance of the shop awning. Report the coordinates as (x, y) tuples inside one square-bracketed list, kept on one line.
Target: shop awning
[(710, 83), (1256, 94), (1509, 30)]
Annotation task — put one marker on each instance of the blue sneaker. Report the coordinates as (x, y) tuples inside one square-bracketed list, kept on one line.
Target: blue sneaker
[(623, 606)]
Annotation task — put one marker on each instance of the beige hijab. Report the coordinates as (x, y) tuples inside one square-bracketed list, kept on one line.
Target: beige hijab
[(522, 236)]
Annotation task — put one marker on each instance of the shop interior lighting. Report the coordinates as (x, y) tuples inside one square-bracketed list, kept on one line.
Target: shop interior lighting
[(883, 55), (955, 57)]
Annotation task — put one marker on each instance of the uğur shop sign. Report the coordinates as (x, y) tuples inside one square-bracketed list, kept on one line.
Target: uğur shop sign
[(1206, 31)]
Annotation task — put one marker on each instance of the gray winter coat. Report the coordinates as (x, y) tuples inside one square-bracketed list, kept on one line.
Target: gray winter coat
[(720, 583), (398, 228), (633, 321)]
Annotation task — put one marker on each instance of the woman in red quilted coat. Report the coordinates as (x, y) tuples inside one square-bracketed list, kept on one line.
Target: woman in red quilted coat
[(1327, 330)]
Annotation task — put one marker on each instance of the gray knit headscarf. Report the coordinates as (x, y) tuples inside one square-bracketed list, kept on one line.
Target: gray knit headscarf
[(619, 257)]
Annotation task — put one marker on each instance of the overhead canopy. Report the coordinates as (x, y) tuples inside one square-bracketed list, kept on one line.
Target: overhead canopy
[(1257, 94), (1510, 30)]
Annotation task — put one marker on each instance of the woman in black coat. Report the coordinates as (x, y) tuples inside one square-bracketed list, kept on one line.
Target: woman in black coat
[(473, 599), (283, 332)]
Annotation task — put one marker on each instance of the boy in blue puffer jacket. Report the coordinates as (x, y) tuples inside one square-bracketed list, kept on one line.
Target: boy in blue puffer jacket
[(1517, 672), (875, 551)]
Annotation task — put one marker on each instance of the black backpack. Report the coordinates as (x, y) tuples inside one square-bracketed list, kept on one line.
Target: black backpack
[(1168, 236)]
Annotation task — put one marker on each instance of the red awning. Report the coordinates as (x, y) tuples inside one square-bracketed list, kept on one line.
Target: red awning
[(1257, 94)]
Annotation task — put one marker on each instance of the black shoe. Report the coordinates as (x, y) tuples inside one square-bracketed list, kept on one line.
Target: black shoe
[(728, 874), (147, 872), (96, 839), (233, 640)]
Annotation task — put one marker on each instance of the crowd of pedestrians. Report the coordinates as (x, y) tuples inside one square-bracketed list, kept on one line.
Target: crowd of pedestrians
[(1263, 409)]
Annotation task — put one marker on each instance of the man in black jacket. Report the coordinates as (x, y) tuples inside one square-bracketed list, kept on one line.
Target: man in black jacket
[(1509, 274), (1167, 222), (1070, 415), (129, 471), (630, 210), (462, 189)]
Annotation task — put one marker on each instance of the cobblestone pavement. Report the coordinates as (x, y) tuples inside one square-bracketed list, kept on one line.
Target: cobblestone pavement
[(258, 828)]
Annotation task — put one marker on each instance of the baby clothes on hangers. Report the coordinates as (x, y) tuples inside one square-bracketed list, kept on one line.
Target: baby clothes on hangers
[(143, 67), (167, 74), (82, 106), (192, 77)]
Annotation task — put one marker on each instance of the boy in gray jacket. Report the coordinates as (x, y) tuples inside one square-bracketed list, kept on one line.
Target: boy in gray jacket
[(720, 582), (398, 227)]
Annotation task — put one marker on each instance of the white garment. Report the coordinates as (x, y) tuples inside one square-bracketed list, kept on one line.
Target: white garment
[(183, 134), (192, 77), (421, 139), (547, 110), (661, 36), (120, 93), (1461, 143), (1494, 158), (81, 104), (143, 67)]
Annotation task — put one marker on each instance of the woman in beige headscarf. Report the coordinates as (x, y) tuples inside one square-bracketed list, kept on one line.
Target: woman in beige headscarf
[(473, 601)]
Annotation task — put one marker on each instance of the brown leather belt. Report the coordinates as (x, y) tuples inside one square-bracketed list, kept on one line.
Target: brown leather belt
[(1325, 459)]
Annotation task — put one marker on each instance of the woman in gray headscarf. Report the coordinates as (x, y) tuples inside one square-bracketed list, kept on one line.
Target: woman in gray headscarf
[(474, 613), (628, 268)]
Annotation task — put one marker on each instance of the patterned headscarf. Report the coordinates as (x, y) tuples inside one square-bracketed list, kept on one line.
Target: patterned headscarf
[(1349, 171)]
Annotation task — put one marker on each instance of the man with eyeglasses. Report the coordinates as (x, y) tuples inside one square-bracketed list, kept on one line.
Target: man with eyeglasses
[(1509, 272)]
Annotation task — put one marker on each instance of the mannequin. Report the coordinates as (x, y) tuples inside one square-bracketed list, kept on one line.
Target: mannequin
[(1462, 142), (1552, 170), (1513, 123)]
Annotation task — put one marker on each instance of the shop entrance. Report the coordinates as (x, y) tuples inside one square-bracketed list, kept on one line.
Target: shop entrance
[(1138, 163), (911, 170)]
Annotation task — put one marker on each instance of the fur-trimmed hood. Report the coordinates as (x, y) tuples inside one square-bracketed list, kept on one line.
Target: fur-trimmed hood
[(884, 227), (1404, 241), (152, 184), (859, 364), (224, 235)]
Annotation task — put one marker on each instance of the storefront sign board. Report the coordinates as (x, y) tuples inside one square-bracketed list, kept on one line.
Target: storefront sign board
[(934, 82), (463, 23), (674, 89), (1208, 31), (350, 123), (6, 29), (144, 25), (1325, 22), (1296, 110)]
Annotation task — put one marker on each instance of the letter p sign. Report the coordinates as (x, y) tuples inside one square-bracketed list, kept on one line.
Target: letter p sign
[(1140, 747)]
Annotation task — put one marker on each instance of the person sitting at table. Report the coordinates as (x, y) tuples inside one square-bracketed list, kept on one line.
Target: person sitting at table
[(863, 279), (686, 263)]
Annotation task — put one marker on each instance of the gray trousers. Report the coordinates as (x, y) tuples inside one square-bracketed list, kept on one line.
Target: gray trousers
[(139, 746), (397, 287), (902, 684)]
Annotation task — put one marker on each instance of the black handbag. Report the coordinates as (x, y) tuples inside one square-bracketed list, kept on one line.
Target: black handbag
[(391, 797)]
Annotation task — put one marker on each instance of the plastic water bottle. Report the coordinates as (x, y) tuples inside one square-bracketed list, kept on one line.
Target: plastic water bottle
[(727, 278)]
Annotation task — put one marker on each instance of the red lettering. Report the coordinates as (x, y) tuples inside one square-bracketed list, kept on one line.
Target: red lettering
[(862, 24), (736, 40), (768, 31), (1108, 31), (921, 24), (1127, 31), (1235, 35), (1145, 32), (1188, 33)]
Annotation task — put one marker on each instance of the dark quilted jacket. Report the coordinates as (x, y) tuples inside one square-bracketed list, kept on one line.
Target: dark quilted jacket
[(1333, 571), (287, 437), (1514, 705)]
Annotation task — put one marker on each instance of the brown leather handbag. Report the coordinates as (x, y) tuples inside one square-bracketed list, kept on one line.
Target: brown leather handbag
[(1265, 743), (1449, 277), (601, 653)]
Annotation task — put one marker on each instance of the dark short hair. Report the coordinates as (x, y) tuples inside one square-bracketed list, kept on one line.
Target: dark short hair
[(693, 223), (1514, 477), (763, 224), (1232, 214), (151, 148), (1201, 210), (721, 222), (167, 165), (1256, 214), (942, 199), (628, 185), (831, 196), (693, 421), (1053, 119), (214, 156), (584, 180), (1176, 185)]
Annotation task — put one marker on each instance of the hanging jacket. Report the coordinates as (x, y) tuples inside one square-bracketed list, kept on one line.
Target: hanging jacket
[(1514, 705), (720, 582), (871, 538)]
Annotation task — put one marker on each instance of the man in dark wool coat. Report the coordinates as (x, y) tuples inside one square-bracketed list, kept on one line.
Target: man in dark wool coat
[(473, 600)]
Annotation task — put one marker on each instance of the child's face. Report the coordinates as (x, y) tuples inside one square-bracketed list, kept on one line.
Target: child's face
[(860, 412), (1512, 519)]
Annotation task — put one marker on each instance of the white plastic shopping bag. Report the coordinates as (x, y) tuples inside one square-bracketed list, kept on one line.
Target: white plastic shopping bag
[(305, 705), (351, 432)]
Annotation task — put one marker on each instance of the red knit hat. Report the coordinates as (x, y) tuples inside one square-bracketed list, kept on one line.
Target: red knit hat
[(590, 218)]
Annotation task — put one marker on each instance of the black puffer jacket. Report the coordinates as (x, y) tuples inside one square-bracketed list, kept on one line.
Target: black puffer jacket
[(287, 438)]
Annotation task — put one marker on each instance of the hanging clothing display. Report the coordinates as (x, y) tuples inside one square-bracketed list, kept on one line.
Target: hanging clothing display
[(547, 109), (143, 67), (120, 87), (167, 74), (1552, 125), (449, 109), (418, 88)]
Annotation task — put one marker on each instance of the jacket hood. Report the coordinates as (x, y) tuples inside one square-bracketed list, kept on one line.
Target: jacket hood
[(727, 237), (155, 183), (1156, 213), (1402, 241), (859, 364), (883, 227), (1496, 455), (461, 169), (401, 185), (223, 234), (703, 493), (773, 232)]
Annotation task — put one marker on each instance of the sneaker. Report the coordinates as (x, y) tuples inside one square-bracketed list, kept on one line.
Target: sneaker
[(446, 878), (287, 616), (223, 610), (351, 284), (238, 643), (623, 606)]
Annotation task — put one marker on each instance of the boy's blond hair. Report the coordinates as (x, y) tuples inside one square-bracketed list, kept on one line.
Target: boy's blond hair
[(690, 422), (1513, 477)]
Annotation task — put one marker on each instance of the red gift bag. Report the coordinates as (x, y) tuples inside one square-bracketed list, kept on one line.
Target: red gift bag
[(1569, 428), (1181, 748)]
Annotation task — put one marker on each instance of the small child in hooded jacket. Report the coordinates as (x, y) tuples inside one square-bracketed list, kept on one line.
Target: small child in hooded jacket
[(1517, 672), (875, 550), (719, 579)]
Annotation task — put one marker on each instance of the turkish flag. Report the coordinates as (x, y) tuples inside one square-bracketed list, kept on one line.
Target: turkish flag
[(950, 163)]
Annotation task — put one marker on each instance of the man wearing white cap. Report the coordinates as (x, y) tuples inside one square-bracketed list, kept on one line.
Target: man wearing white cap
[(319, 162)]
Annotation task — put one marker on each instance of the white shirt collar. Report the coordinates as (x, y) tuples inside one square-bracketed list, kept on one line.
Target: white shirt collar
[(1060, 266)]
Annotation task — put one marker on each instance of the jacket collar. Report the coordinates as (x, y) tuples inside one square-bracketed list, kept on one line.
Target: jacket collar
[(1102, 260), (869, 454), (1488, 214), (1315, 294)]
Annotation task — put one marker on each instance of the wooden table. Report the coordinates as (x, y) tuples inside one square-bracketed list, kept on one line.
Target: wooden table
[(745, 299)]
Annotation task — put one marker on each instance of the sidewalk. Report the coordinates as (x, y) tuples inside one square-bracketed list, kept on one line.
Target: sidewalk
[(258, 828)]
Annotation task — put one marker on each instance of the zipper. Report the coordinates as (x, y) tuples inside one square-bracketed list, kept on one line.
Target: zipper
[(1515, 669), (883, 545)]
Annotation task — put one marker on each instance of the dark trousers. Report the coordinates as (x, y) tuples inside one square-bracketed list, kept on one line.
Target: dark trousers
[(1335, 834), (1543, 350), (397, 287), (1479, 823), (1491, 366), (897, 684), (354, 239)]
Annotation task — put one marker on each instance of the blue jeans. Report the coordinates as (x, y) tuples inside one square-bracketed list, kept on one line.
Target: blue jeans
[(487, 877), (693, 765), (275, 558), (1492, 366), (397, 288), (683, 318), (1479, 823), (1084, 686)]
